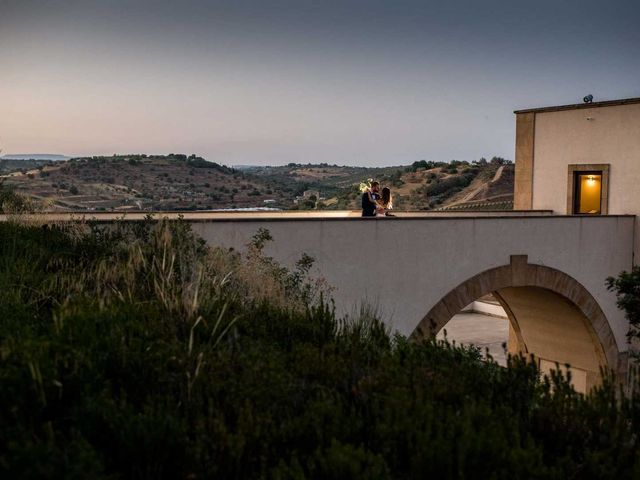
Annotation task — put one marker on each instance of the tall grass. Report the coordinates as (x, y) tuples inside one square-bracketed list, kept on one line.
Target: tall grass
[(137, 351)]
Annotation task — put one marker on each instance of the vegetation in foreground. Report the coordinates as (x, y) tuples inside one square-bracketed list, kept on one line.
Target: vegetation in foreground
[(139, 352)]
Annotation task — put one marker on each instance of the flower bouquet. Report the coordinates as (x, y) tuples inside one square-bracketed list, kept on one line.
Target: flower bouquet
[(364, 186)]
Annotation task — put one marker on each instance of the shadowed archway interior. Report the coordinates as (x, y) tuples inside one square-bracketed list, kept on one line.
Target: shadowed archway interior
[(551, 315)]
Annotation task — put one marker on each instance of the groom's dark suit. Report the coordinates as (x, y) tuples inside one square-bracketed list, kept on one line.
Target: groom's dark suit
[(368, 207)]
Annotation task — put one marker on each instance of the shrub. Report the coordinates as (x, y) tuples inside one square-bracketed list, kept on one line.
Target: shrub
[(627, 289), (444, 185), (14, 203), (137, 351)]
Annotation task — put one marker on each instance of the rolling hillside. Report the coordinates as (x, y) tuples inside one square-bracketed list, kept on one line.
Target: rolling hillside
[(180, 182), (455, 185), (420, 186), (140, 182)]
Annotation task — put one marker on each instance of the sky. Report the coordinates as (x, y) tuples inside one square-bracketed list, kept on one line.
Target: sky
[(277, 81)]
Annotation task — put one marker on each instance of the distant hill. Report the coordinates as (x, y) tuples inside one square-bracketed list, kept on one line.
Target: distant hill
[(141, 182), (492, 190), (245, 167), (420, 186), (180, 182), (35, 156), (10, 165), (337, 185)]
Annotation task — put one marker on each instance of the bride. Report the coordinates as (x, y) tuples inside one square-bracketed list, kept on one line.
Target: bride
[(384, 204)]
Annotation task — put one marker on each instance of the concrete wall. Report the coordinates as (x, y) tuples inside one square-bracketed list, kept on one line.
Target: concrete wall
[(406, 266), (599, 135)]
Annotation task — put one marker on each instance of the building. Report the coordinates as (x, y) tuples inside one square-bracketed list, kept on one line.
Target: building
[(580, 159)]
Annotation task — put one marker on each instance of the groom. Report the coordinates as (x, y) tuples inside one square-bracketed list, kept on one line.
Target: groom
[(369, 207)]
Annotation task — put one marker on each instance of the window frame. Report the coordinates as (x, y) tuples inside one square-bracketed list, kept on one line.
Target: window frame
[(582, 169)]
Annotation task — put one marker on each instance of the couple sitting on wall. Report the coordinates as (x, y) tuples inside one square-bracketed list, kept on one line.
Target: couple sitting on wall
[(376, 203)]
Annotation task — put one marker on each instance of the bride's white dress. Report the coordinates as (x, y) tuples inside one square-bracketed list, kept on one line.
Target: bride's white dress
[(380, 212)]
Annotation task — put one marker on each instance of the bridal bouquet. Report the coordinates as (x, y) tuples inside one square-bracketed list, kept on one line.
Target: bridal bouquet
[(364, 186)]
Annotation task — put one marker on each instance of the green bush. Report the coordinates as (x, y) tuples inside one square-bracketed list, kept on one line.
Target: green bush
[(445, 187), (12, 202), (627, 289), (137, 351)]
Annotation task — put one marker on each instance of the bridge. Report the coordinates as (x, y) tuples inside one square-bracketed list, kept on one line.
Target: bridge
[(420, 269)]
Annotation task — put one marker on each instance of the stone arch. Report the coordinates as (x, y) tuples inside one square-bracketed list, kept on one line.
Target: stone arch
[(536, 298)]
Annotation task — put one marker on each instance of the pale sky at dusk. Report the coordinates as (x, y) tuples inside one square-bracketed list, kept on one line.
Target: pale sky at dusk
[(271, 82)]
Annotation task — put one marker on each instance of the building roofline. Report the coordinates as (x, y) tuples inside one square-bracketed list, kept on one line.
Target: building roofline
[(578, 106)]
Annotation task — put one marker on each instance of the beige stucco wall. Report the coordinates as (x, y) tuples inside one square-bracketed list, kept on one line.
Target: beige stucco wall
[(410, 267), (406, 266), (566, 137)]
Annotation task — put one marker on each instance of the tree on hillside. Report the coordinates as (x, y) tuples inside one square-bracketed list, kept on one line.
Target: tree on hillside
[(499, 161)]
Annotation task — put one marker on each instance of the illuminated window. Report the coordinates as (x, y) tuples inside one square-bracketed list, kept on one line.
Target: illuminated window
[(588, 195), (588, 189)]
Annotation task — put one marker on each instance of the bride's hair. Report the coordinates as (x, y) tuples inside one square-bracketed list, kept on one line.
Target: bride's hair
[(385, 198)]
